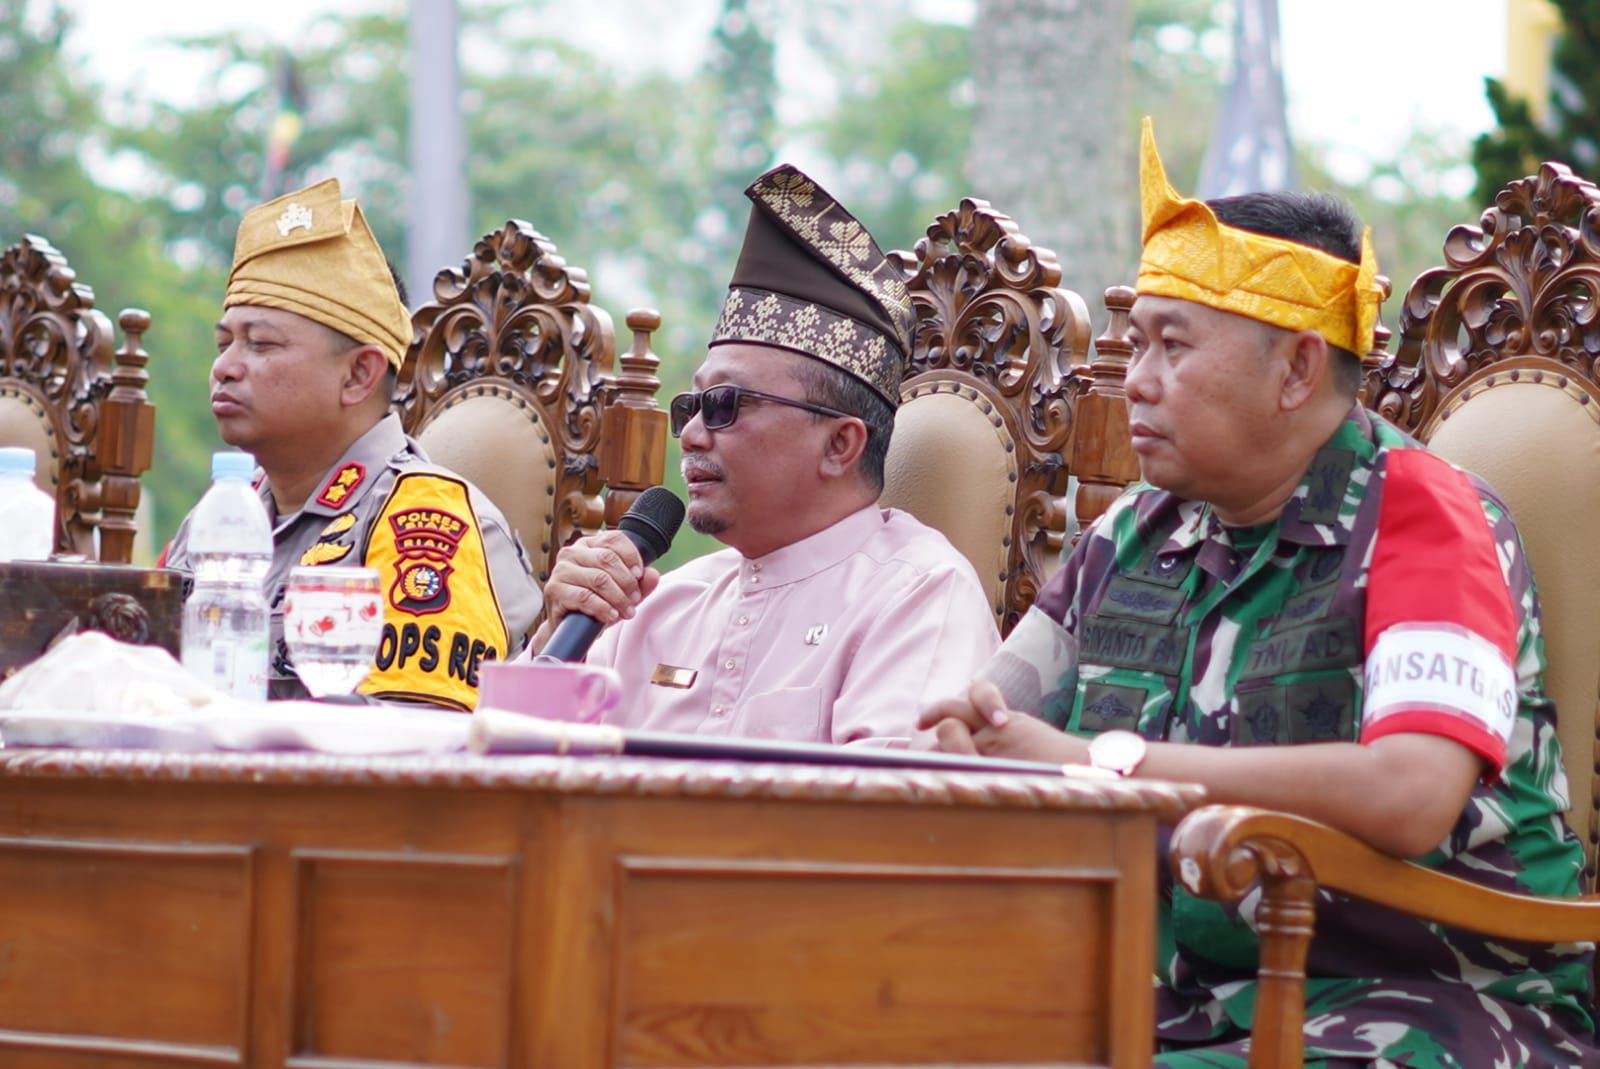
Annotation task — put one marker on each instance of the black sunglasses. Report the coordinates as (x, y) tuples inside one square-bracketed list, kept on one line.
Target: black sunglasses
[(719, 407)]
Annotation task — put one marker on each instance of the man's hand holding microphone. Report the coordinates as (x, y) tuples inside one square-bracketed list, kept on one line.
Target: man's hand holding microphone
[(601, 578)]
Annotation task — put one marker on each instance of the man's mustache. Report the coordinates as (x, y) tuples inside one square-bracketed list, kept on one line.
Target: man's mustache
[(705, 469)]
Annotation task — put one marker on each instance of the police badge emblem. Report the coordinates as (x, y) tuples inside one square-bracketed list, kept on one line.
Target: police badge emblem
[(425, 540)]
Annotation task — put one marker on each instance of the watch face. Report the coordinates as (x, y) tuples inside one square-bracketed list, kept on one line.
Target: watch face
[(1119, 751)]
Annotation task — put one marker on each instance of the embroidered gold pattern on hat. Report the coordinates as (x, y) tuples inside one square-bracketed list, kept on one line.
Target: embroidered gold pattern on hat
[(772, 319), (841, 239)]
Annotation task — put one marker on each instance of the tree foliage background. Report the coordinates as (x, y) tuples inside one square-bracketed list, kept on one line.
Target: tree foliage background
[(1570, 133), (636, 174)]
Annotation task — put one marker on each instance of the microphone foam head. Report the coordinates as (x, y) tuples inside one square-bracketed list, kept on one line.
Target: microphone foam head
[(655, 517)]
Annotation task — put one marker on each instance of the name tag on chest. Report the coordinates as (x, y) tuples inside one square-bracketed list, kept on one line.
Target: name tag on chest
[(1128, 644), (667, 675)]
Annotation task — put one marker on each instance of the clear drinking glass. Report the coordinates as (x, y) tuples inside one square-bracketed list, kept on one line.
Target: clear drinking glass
[(332, 621)]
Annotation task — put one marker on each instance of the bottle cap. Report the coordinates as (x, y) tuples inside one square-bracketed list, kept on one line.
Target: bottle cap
[(232, 465), (19, 461)]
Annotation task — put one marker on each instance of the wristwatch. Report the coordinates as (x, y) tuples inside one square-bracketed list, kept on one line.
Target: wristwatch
[(1117, 752)]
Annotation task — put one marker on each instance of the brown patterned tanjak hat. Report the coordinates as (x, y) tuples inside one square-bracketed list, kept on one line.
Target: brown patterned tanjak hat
[(811, 279)]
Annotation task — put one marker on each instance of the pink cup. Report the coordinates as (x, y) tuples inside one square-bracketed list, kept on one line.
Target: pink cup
[(550, 690)]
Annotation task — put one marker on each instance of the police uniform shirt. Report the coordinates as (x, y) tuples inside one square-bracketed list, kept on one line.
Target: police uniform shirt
[(457, 588)]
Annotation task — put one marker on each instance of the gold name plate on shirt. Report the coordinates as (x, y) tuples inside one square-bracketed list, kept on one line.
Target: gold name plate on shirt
[(666, 675)]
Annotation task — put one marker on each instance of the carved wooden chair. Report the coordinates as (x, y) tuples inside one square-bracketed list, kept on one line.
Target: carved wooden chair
[(986, 433), (512, 381), (81, 407), (1495, 370)]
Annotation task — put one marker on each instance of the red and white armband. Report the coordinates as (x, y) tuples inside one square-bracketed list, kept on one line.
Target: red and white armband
[(1441, 632)]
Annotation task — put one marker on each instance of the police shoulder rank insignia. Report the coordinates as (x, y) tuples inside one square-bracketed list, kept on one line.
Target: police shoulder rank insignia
[(441, 619), (342, 485)]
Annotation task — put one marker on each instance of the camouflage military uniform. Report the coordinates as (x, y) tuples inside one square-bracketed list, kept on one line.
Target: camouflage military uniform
[(1169, 624), (457, 587)]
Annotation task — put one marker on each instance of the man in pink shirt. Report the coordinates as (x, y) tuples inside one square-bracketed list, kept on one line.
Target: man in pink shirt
[(827, 619)]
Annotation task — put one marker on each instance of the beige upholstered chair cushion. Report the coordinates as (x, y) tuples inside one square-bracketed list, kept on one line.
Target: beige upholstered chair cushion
[(1539, 447), (24, 423), (144, 547), (500, 444), (953, 466)]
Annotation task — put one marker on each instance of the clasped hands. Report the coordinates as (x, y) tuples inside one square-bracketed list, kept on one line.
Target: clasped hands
[(980, 724)]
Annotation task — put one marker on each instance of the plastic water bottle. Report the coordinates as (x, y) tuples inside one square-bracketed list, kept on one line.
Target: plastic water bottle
[(27, 513), (226, 624)]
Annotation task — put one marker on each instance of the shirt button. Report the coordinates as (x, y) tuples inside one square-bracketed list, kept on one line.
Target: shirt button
[(719, 710), (755, 579), (743, 620), (755, 566), (728, 664)]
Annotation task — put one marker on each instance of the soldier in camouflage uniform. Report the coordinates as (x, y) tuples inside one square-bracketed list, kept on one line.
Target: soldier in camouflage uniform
[(1303, 609)]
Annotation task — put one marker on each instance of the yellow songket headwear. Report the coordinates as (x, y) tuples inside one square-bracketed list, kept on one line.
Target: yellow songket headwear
[(311, 252), (1190, 255)]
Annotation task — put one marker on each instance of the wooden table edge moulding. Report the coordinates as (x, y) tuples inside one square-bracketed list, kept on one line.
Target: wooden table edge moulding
[(323, 912)]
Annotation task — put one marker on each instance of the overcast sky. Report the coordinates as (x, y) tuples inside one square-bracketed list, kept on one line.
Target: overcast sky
[(1360, 73)]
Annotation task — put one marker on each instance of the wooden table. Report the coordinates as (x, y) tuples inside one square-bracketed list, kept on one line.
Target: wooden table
[(319, 912)]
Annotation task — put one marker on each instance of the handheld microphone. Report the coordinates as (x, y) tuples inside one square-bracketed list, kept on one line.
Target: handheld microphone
[(650, 524)]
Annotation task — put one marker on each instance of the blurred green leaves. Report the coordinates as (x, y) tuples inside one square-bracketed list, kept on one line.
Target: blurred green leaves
[(634, 170)]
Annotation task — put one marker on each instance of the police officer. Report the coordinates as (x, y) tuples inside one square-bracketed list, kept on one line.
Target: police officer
[(312, 335)]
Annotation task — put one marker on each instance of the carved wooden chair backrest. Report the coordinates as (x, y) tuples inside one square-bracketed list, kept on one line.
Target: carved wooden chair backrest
[(983, 438), (1495, 370), (1103, 459), (512, 381), (79, 405)]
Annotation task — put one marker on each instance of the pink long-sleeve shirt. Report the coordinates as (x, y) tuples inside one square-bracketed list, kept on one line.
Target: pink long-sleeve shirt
[(841, 637)]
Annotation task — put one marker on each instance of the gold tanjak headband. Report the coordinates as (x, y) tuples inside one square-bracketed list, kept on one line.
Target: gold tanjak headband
[(310, 252), (1190, 255)]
